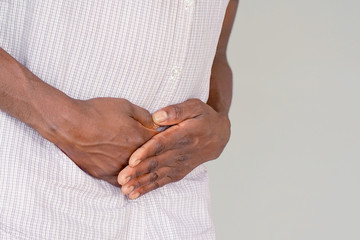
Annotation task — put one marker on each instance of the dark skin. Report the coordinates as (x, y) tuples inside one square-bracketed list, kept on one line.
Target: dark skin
[(98, 134), (103, 135), (198, 132)]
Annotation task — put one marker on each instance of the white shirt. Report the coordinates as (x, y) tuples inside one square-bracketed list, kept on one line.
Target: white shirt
[(151, 52)]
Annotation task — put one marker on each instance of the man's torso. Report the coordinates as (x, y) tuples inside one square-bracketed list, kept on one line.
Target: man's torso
[(153, 53)]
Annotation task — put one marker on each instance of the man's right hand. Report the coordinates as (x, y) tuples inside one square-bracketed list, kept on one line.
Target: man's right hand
[(99, 134), (102, 134)]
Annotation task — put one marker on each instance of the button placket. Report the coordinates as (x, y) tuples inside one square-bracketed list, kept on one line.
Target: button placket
[(175, 72), (188, 4), (180, 47)]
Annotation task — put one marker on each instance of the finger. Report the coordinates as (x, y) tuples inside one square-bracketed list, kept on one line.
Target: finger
[(177, 113), (124, 176), (175, 159), (129, 172), (144, 180), (146, 166), (143, 116), (161, 142), (149, 187)]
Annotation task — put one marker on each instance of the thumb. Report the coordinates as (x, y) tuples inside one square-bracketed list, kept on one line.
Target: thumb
[(177, 113), (143, 116)]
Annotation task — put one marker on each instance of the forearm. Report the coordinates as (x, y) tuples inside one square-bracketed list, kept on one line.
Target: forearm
[(99, 134), (220, 85), (27, 98), (221, 76)]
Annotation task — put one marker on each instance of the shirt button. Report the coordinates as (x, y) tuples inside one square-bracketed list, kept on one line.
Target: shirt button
[(175, 72), (188, 3)]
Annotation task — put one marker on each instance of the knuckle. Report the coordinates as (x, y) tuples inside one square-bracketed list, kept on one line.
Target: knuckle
[(156, 185), (153, 164), (199, 106), (178, 111), (194, 101), (159, 146), (135, 183), (184, 141), (181, 157), (154, 177), (138, 173)]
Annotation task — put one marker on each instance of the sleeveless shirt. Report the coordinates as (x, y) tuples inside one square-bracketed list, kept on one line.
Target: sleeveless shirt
[(153, 53)]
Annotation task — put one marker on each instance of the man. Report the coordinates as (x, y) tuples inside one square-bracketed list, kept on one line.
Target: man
[(81, 155)]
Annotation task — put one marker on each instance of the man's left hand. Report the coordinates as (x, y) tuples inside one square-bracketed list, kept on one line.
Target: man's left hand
[(197, 134)]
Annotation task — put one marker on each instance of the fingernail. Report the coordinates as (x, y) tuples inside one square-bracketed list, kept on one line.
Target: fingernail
[(135, 162), (125, 180), (160, 116), (134, 196), (129, 190)]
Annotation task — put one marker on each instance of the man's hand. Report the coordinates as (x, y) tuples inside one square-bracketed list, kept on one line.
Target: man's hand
[(99, 134), (198, 134), (102, 134)]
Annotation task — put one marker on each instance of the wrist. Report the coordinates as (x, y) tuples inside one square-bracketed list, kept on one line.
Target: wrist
[(52, 112), (27, 98)]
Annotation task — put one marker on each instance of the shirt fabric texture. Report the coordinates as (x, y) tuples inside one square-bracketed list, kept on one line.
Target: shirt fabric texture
[(153, 53)]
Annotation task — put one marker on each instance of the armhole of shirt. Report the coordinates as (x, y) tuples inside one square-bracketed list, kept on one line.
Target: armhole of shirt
[(3, 14)]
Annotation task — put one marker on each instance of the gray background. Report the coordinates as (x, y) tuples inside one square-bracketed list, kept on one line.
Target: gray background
[(291, 169)]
